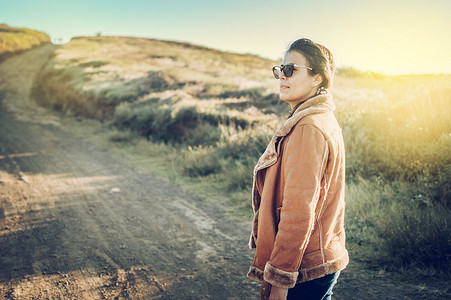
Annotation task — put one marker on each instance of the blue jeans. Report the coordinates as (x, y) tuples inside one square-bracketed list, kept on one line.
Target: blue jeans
[(317, 289)]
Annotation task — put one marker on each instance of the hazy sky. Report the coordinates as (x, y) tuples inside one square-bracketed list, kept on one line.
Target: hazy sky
[(387, 36)]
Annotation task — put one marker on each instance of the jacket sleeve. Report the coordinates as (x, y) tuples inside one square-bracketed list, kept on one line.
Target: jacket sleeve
[(304, 159)]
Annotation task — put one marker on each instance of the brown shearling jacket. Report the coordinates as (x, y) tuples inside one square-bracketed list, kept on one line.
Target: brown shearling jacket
[(298, 199)]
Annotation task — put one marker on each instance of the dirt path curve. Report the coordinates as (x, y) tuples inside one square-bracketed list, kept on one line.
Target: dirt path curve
[(77, 224)]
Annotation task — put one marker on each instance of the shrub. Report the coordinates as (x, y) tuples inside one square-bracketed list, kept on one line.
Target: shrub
[(202, 162), (392, 224), (233, 159), (416, 235), (203, 134), (252, 93), (158, 122), (94, 64)]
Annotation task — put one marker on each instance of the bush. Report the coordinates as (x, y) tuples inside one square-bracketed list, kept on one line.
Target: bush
[(158, 122), (416, 235), (252, 93), (202, 162), (232, 159), (392, 224)]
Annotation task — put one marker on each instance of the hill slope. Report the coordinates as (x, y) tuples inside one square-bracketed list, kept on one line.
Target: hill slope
[(14, 40), (144, 83)]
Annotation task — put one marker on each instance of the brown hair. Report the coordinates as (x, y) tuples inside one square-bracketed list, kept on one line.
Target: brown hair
[(319, 58)]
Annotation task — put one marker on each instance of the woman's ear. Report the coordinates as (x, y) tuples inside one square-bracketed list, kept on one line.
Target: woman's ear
[(317, 80)]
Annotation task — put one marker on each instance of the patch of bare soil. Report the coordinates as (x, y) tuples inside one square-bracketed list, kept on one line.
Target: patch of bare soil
[(75, 223)]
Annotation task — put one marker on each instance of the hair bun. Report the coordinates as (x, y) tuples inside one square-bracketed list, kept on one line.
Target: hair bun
[(319, 58)]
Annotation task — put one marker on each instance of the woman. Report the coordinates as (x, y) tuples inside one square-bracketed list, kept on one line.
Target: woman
[(299, 185)]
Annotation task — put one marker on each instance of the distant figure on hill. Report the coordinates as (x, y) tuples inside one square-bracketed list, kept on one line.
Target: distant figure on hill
[(299, 185)]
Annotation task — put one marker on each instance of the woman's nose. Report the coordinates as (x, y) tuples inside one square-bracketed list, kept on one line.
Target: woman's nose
[(282, 75)]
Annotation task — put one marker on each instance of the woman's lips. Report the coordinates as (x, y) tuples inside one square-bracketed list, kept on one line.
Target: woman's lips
[(284, 87)]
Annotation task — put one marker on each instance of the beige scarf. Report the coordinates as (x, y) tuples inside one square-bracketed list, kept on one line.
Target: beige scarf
[(321, 103)]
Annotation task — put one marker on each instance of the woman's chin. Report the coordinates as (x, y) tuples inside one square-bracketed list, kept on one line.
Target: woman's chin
[(284, 97)]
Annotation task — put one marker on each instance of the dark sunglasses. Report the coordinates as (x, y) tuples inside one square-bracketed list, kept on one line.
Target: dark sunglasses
[(286, 69)]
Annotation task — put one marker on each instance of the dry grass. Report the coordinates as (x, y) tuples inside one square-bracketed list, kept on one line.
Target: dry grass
[(90, 74), (13, 40)]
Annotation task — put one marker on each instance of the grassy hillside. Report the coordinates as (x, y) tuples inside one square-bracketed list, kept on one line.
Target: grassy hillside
[(175, 92), (13, 40), (206, 116)]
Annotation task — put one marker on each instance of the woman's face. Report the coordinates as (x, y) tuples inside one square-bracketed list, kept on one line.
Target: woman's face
[(301, 85)]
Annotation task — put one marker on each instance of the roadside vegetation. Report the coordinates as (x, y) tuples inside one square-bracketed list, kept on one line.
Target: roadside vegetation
[(14, 40), (203, 116)]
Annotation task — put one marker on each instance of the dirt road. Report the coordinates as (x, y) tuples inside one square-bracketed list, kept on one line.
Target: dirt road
[(77, 224)]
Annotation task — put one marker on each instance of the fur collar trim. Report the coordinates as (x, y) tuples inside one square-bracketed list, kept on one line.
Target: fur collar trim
[(318, 104)]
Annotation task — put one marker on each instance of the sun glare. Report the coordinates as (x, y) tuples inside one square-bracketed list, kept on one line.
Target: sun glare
[(408, 39)]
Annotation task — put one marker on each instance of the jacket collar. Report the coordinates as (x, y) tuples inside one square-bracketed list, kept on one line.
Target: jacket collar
[(318, 104)]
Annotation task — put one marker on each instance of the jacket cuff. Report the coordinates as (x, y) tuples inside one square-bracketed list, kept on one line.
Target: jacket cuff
[(255, 274), (280, 277)]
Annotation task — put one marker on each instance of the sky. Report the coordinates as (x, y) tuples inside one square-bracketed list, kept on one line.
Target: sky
[(385, 36)]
